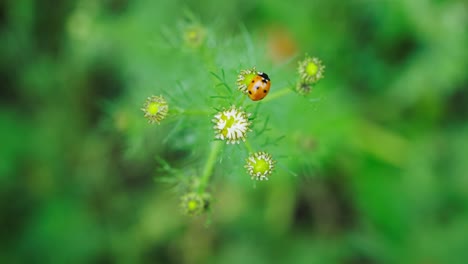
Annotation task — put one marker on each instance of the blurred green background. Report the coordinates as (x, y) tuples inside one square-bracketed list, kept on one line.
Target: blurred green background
[(379, 159)]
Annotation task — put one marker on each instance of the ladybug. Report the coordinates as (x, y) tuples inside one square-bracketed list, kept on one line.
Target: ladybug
[(259, 86)]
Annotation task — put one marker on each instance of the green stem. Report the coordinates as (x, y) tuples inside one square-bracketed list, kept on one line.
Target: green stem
[(195, 112), (278, 94), (248, 146), (242, 100), (210, 162)]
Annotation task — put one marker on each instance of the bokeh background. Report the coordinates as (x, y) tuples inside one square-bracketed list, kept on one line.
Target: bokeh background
[(379, 172)]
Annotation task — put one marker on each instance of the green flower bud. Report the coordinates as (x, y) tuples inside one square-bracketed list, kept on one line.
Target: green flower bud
[(155, 109), (260, 165)]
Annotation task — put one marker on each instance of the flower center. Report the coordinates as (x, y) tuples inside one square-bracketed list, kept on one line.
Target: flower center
[(312, 68), (153, 108), (229, 123), (248, 78), (261, 166), (192, 35), (192, 205)]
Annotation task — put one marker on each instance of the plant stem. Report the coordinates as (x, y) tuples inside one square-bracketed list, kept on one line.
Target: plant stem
[(210, 162), (278, 94), (248, 146), (196, 112)]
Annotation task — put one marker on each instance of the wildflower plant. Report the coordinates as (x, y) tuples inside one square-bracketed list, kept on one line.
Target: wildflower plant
[(231, 125), (194, 203), (155, 109), (120, 115), (194, 36), (260, 165), (230, 135), (311, 70)]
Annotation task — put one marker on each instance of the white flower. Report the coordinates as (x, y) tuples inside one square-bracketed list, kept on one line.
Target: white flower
[(231, 125)]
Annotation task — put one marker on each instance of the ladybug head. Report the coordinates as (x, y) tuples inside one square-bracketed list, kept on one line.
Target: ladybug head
[(264, 75)]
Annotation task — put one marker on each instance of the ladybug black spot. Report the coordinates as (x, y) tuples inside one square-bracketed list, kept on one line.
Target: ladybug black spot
[(256, 87), (252, 81), (265, 91), (250, 92)]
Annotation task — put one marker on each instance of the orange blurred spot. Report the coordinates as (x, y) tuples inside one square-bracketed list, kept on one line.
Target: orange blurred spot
[(281, 44)]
